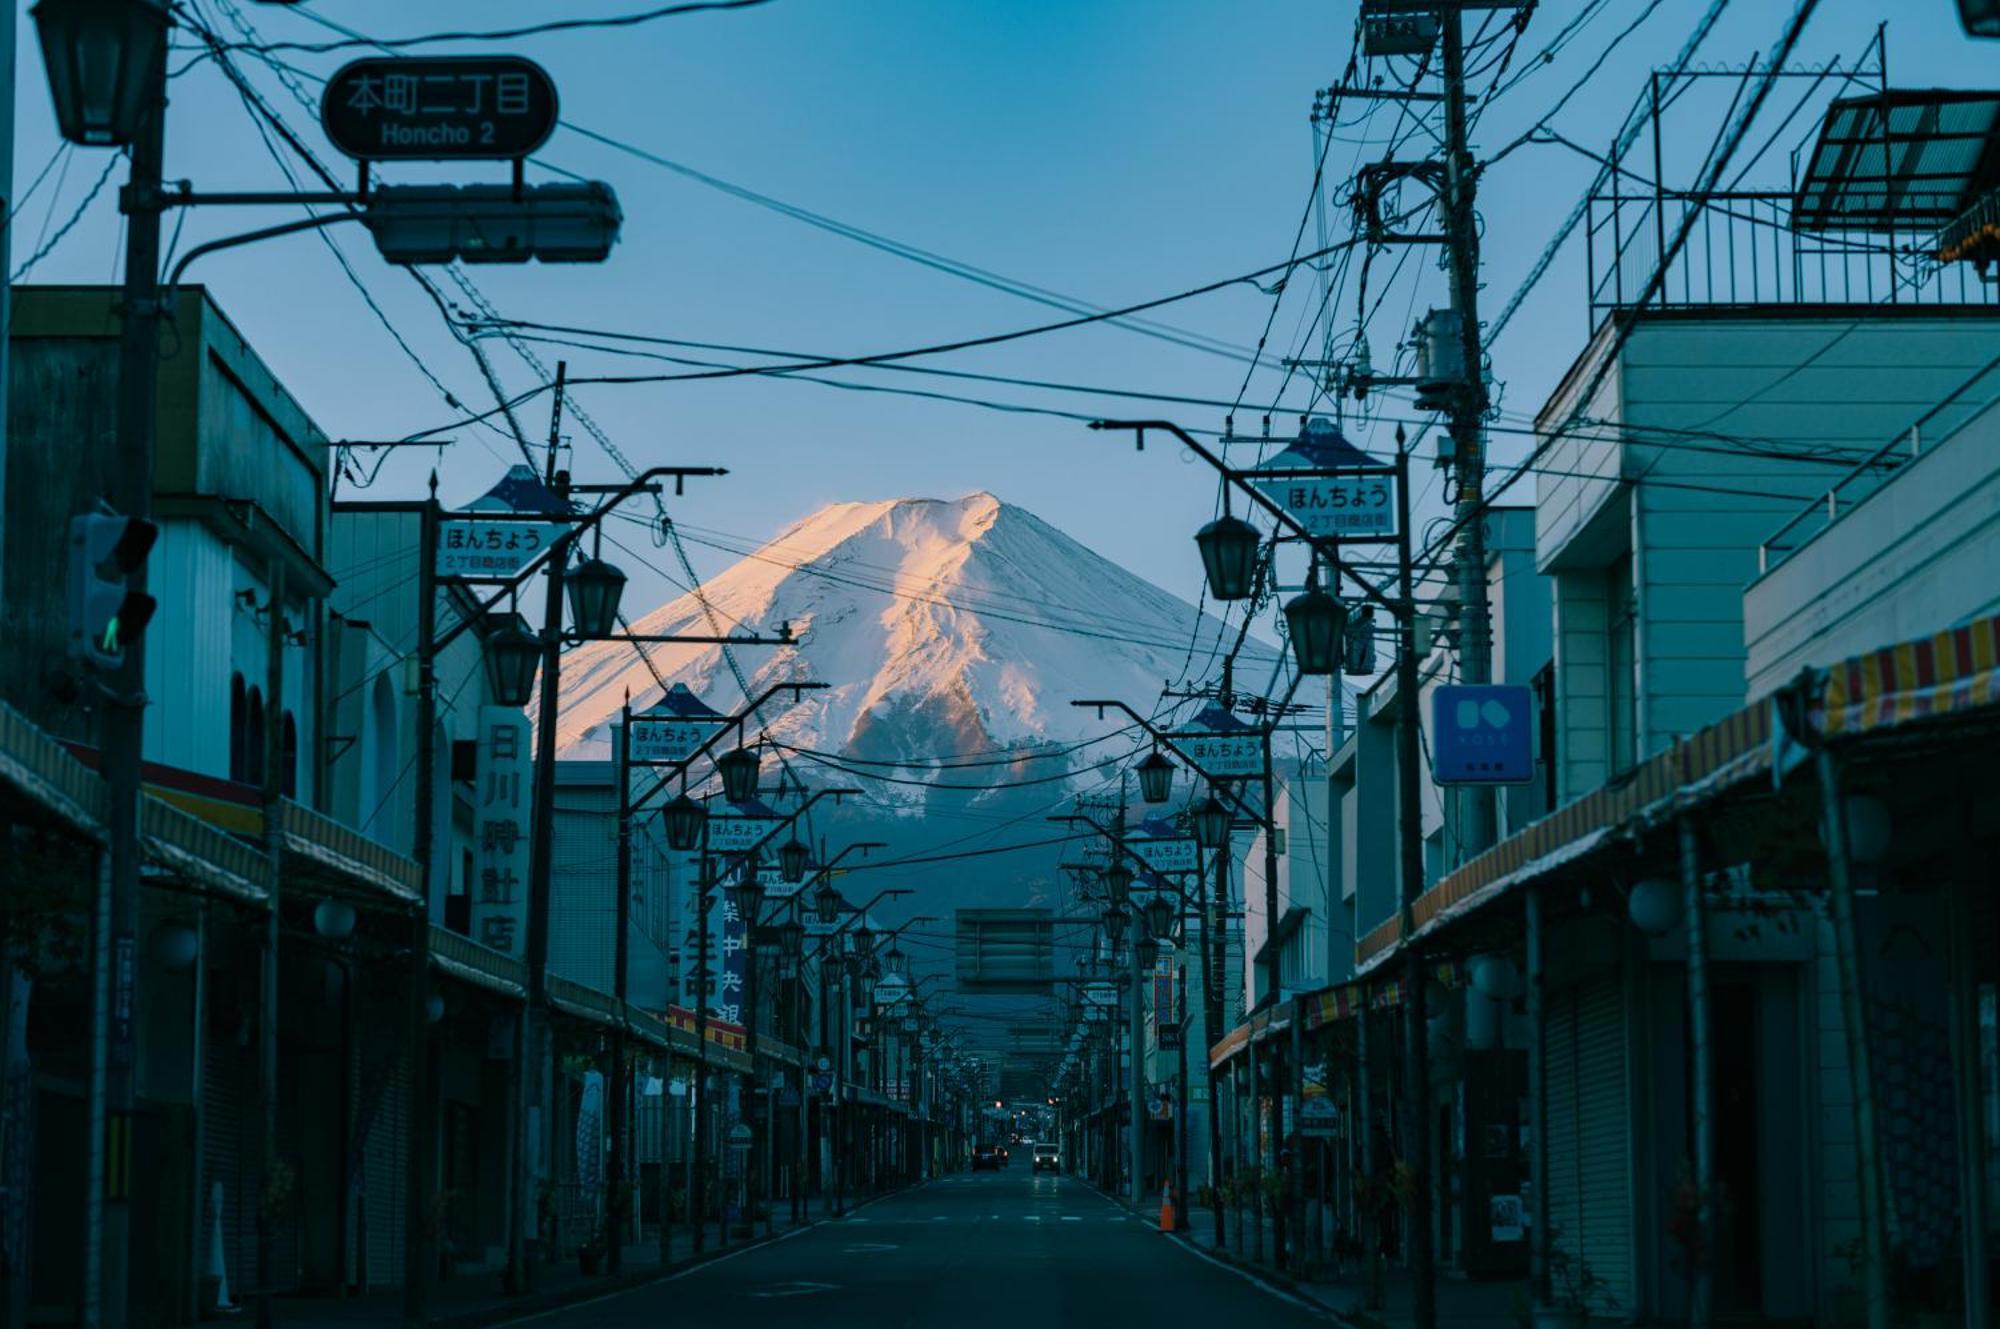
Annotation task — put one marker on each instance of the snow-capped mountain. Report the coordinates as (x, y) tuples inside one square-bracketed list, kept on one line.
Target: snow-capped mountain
[(940, 627)]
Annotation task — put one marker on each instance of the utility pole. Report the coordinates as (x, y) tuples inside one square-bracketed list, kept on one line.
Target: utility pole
[(621, 1065), (531, 1152), (422, 1122), (114, 944), (1416, 1032), (1466, 411)]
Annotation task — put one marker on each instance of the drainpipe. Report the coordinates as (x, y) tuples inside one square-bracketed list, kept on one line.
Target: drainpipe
[(1701, 1301)]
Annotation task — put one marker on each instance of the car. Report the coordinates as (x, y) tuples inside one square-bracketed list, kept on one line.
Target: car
[(1048, 1157), (987, 1157), (1005, 1157)]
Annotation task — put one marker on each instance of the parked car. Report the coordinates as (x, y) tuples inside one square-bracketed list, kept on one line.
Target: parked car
[(1048, 1158), (987, 1158)]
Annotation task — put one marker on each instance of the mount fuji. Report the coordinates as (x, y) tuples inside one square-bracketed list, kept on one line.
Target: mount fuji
[(943, 629)]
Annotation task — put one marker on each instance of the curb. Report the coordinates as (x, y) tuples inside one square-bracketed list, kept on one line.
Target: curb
[(1270, 1277), (534, 1304)]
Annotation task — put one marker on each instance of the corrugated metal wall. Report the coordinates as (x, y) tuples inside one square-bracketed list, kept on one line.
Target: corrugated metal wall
[(1589, 1113), (378, 1156)]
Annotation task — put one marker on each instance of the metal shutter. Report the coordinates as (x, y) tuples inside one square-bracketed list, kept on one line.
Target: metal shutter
[(1590, 1202), (380, 1086), (225, 1104)]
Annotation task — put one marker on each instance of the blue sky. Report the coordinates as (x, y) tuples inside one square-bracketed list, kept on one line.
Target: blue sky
[(1111, 150)]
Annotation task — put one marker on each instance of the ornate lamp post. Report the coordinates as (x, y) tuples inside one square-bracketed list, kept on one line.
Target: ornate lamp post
[(104, 61)]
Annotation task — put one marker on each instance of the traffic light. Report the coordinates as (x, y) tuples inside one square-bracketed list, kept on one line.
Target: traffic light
[(105, 613), (556, 223)]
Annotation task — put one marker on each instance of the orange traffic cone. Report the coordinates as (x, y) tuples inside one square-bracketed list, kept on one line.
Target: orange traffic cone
[(1167, 1208)]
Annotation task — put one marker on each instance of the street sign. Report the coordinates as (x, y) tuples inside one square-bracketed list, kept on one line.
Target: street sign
[(739, 835), (1222, 756), (1319, 1116), (1337, 505), (822, 1082), (490, 550), (1483, 734), (439, 108), (667, 738), (1342, 500), (740, 1136), (479, 548), (1163, 853)]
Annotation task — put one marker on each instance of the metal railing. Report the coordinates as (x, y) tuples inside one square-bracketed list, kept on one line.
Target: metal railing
[(1741, 250), (1872, 472)]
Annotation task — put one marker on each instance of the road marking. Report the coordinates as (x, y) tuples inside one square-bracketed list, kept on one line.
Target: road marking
[(870, 1248), (1071, 1218), (799, 1289)]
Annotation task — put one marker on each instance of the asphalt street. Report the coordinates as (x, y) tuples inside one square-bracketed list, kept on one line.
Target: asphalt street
[(990, 1250)]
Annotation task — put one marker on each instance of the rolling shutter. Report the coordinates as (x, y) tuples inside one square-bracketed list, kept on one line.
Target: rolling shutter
[(377, 1160), (1590, 1202), (225, 1105)]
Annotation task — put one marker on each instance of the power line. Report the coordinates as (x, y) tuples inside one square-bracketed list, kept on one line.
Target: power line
[(503, 34)]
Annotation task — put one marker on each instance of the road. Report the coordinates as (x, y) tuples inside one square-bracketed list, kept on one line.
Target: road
[(989, 1250)]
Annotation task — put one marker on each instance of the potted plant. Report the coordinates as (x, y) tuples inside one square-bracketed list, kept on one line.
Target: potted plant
[(1574, 1289)]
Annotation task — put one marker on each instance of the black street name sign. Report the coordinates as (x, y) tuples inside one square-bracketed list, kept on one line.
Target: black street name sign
[(439, 108)]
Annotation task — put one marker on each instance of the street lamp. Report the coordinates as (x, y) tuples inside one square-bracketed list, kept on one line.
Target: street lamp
[(594, 589), (793, 860), (1159, 916), (864, 941), (747, 893), (1117, 883), (1147, 952), (827, 901), (792, 938), (103, 59), (1212, 823), (1114, 924), (513, 654), (1156, 777), (894, 961), (1317, 623), (739, 774), (683, 819), (1228, 548), (1979, 18)]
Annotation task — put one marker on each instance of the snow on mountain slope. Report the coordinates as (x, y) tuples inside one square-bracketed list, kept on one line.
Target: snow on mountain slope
[(940, 627)]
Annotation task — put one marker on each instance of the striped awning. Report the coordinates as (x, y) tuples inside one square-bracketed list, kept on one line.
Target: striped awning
[(1949, 673)]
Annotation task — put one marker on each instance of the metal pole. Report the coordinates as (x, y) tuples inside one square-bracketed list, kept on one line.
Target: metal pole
[(108, 1233), (1211, 999), (1416, 1035), (421, 1123), (698, 1157), (1477, 819), (1701, 1058), (538, 1062), (1538, 1102), (268, 1162), (618, 1160), (1181, 1220), (751, 1171), (1273, 977), (800, 1168), (1853, 1005)]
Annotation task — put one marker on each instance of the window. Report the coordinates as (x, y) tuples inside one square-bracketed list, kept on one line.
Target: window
[(1621, 666), (253, 738), (239, 736), (289, 771)]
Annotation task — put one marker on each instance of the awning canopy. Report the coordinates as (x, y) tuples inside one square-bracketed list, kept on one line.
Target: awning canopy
[(1900, 160)]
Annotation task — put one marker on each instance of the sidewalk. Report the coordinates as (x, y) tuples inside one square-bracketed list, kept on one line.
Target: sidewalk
[(1462, 1303), (476, 1300)]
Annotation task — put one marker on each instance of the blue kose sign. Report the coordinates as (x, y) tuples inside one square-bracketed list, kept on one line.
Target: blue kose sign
[(1482, 734)]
